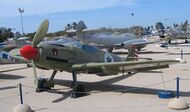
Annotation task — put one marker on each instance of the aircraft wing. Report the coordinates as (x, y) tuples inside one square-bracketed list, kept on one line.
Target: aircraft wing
[(126, 66), (138, 43)]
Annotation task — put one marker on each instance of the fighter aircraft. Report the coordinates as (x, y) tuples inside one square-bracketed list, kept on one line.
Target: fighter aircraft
[(177, 32), (5, 58), (7, 47), (10, 44), (76, 57), (13, 43), (108, 40)]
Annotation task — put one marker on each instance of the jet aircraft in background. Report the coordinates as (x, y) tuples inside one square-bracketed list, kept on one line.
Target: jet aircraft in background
[(177, 32), (108, 40), (172, 34)]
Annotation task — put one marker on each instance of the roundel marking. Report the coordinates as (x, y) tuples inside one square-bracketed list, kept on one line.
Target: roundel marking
[(55, 51), (108, 58)]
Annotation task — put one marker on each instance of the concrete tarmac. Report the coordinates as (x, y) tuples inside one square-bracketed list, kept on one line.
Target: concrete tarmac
[(118, 93)]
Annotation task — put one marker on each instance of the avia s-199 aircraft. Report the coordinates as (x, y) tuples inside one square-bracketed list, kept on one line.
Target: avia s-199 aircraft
[(75, 57)]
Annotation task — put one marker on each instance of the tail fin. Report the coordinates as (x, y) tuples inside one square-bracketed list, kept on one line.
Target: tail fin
[(132, 54), (81, 26)]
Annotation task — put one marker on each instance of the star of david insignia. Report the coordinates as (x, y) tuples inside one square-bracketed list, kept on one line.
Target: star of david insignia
[(108, 59), (4, 55)]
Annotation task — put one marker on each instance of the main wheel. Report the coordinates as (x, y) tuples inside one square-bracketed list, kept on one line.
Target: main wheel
[(169, 41), (129, 73), (40, 86), (78, 91)]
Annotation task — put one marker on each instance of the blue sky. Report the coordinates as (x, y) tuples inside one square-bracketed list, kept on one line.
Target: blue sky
[(95, 13)]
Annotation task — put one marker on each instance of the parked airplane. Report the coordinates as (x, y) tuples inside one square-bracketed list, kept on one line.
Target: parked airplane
[(109, 40), (172, 34), (12, 43), (5, 58), (77, 58), (178, 32)]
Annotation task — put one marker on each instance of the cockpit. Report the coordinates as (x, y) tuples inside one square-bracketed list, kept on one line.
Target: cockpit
[(87, 48), (68, 41)]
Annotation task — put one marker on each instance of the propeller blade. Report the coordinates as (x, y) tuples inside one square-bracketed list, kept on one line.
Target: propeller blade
[(35, 73), (40, 33)]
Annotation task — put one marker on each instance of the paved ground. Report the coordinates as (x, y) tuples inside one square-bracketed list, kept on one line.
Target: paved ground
[(137, 93)]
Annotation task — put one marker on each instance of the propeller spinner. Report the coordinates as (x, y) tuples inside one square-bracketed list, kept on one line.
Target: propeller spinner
[(29, 52)]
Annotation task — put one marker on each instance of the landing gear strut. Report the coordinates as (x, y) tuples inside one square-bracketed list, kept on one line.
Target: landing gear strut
[(44, 84), (78, 89)]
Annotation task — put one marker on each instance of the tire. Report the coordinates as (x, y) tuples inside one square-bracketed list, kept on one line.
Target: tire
[(40, 86), (78, 91)]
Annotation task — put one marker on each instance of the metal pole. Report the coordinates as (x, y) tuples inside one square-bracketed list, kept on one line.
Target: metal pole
[(22, 23), (20, 90), (181, 54), (177, 87)]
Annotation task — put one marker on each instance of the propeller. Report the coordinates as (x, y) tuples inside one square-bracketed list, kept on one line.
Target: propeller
[(40, 34), (32, 52)]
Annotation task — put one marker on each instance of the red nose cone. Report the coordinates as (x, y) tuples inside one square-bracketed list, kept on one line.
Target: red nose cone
[(29, 52)]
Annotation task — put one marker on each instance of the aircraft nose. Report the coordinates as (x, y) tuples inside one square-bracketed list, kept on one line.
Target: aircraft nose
[(29, 52)]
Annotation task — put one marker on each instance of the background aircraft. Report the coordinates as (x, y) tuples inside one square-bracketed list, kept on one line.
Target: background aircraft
[(108, 40), (177, 32), (13, 43), (61, 55), (5, 58)]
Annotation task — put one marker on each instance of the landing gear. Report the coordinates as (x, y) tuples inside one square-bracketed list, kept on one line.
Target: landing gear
[(169, 41), (78, 89), (28, 65), (44, 84), (110, 49), (40, 86), (186, 41), (129, 73)]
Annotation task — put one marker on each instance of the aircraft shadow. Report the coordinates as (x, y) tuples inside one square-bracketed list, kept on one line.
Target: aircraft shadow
[(8, 87), (151, 52), (120, 52), (178, 54), (10, 77), (106, 86), (140, 52), (152, 72), (14, 69)]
